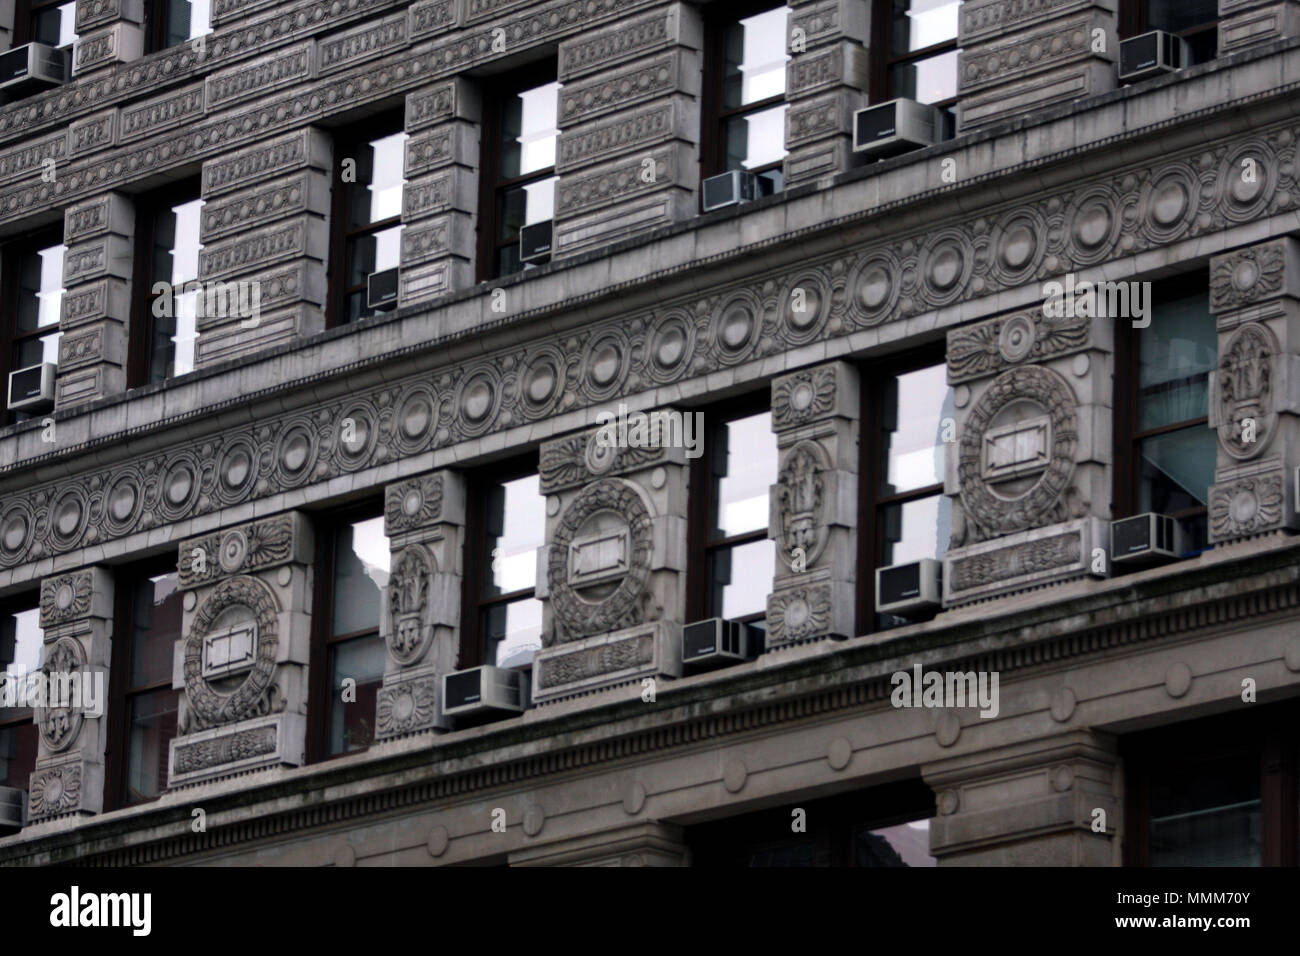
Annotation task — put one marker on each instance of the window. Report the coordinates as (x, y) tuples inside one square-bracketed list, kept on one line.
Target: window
[(916, 57), (33, 296), (1220, 791), (149, 620), (21, 653), (366, 221), (52, 22), (729, 515), (353, 562), (905, 515), (888, 825), (518, 169), (1165, 452), (1196, 21), (502, 618), (165, 330), (169, 22), (744, 95)]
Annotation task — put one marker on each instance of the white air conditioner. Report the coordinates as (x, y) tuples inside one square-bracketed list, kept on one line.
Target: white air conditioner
[(31, 68), (716, 643), (31, 389), (1151, 54), (1146, 539), (729, 189), (484, 691), (535, 242), (896, 127), (910, 588), (13, 809)]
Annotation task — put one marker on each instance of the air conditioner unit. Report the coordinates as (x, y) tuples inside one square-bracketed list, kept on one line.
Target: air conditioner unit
[(31, 389), (910, 588), (1146, 539), (729, 189), (1151, 54), (535, 242), (484, 691), (717, 643), (896, 127), (31, 68), (381, 289), (13, 809)]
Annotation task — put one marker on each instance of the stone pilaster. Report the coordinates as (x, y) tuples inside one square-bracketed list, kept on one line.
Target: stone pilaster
[(108, 32), (1029, 471), (440, 198), (243, 653), (99, 234), (424, 519), (264, 238), (1247, 23), (629, 119), (1016, 58), (77, 621), (644, 843), (826, 80), (1255, 391), (1029, 804), (613, 584), (814, 504)]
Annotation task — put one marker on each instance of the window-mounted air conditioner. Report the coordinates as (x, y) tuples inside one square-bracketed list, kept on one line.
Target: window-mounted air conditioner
[(1146, 539), (535, 242), (716, 643), (31, 389), (1151, 54), (729, 189), (484, 691), (911, 588), (896, 127), (381, 289), (31, 68), (13, 809)]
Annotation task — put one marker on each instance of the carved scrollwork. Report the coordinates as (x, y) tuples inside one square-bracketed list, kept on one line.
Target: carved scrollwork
[(1246, 375), (801, 503), (408, 602), (61, 721), (1246, 506), (65, 598), (211, 705)]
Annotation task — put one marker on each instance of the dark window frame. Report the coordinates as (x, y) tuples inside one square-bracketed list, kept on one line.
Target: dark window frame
[(19, 717), (1127, 476), (700, 546), (1134, 20), (345, 139), (25, 12), (871, 471), (713, 117), (326, 526), (10, 337), (478, 561), (156, 22), (496, 92), (883, 58), (1272, 732), (126, 578), (140, 334)]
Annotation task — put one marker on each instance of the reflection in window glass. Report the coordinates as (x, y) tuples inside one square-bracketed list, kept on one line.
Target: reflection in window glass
[(916, 529), (374, 205), (929, 80), (40, 297), (755, 58), (907, 844), (525, 192), (918, 24), (361, 566), (916, 405), (21, 642), (352, 723), (1206, 811), (55, 25), (742, 578), (21, 653), (515, 528), (745, 466), (185, 20), (151, 704), (176, 250)]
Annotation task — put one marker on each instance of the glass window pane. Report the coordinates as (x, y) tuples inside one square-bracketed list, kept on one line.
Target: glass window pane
[(741, 579), (352, 723), (157, 627), (528, 131), (754, 58), (907, 844), (361, 565), (513, 632), (516, 528), (152, 727), (744, 469), (1205, 811), (916, 529), (1178, 15), (918, 24), (1178, 350), (186, 19), (18, 745), (40, 288), (755, 139), (930, 80), (377, 194), (55, 26), (176, 261), (21, 642), (915, 406)]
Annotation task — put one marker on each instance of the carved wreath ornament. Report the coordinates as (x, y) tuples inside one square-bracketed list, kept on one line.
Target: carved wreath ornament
[(209, 706)]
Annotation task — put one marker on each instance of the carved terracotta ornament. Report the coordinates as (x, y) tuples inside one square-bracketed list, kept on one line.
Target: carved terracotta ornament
[(408, 600), (210, 705), (1245, 378), (801, 502)]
